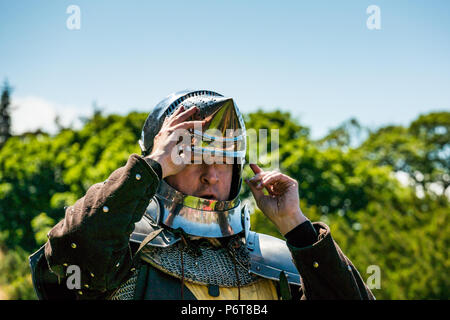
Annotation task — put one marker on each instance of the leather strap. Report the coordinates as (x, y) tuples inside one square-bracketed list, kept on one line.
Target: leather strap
[(147, 239), (285, 290)]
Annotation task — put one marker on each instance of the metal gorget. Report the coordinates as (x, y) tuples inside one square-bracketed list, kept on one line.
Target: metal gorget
[(198, 216)]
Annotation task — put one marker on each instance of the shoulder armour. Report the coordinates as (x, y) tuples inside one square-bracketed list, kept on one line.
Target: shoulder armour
[(148, 224), (269, 256)]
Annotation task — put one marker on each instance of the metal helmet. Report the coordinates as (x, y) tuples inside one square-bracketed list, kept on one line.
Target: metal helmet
[(223, 136)]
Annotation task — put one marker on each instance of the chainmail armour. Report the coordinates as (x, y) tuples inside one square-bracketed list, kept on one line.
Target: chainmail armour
[(126, 290), (203, 263)]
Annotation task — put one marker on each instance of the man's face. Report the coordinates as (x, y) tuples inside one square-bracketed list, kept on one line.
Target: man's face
[(210, 181)]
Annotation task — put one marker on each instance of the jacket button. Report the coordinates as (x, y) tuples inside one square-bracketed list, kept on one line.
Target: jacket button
[(105, 209), (73, 245), (138, 176), (315, 264)]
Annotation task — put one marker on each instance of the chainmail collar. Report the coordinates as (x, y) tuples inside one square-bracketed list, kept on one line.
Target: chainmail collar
[(221, 262)]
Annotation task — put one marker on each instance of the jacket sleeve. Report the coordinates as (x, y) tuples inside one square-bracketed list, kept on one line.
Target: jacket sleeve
[(326, 272), (94, 234)]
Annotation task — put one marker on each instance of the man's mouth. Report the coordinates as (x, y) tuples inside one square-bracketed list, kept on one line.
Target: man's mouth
[(209, 196)]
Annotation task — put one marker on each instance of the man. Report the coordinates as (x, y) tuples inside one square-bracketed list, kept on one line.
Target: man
[(170, 225)]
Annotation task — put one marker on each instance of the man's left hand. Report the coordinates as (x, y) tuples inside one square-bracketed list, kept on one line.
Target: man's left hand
[(282, 204)]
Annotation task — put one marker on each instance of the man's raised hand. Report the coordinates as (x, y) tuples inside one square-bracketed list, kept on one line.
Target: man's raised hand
[(282, 204), (169, 147)]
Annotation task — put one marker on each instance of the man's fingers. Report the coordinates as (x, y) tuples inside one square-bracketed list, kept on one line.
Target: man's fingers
[(275, 177), (276, 187), (189, 124), (257, 193), (182, 116), (259, 173), (260, 177), (270, 176), (255, 168), (177, 112), (263, 175), (173, 115)]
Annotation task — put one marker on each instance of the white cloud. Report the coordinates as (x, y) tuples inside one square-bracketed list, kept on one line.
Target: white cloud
[(32, 113)]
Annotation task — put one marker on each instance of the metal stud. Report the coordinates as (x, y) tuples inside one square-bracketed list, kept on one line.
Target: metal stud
[(65, 265), (105, 209), (349, 268), (138, 176), (73, 245), (315, 264), (80, 292), (86, 286), (92, 275), (118, 264)]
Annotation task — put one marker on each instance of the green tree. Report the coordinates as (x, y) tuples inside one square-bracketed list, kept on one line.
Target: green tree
[(43, 173), (373, 217), (5, 114)]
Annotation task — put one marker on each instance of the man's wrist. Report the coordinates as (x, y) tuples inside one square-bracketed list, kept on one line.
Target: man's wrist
[(288, 224), (156, 166)]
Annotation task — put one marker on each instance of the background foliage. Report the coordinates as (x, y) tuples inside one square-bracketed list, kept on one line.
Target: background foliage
[(348, 179)]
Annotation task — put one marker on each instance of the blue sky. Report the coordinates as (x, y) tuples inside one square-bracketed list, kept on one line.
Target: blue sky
[(316, 59)]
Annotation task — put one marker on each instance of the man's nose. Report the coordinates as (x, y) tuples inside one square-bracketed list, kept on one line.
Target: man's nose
[(209, 175)]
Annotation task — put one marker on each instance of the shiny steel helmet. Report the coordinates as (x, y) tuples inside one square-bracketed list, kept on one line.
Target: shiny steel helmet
[(223, 137)]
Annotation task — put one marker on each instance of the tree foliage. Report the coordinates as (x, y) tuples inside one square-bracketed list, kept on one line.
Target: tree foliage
[(5, 114), (353, 187), (375, 218)]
